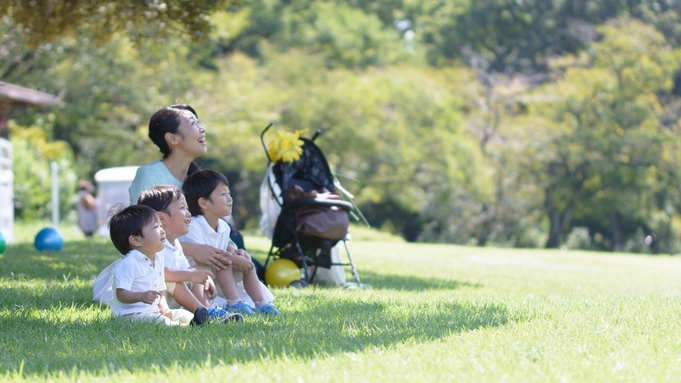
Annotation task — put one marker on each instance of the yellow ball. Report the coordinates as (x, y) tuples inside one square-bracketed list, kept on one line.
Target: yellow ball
[(281, 273)]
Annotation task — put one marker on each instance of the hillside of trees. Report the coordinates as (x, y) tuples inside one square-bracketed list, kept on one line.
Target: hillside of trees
[(520, 123)]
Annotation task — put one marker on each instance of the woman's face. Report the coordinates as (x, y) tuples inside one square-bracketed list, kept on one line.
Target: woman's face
[(191, 135)]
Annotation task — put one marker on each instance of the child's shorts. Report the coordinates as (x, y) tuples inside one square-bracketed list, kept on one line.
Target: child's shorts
[(170, 290), (238, 276), (179, 317)]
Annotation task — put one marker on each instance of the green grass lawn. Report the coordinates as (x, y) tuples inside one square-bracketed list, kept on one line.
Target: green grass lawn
[(434, 313)]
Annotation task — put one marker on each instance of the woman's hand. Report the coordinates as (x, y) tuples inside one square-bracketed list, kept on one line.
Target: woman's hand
[(242, 263), (242, 253), (206, 255)]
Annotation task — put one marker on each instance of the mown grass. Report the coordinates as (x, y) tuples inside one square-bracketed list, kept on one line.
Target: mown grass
[(434, 313)]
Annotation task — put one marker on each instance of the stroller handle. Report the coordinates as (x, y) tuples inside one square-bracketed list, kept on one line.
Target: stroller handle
[(316, 134), (262, 139)]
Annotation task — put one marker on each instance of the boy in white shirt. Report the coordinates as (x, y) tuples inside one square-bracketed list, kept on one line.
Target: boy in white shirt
[(208, 199), (139, 284), (169, 202)]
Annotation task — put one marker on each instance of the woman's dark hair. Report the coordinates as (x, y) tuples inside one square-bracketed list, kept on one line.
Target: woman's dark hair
[(127, 222), (160, 197), (167, 120), (200, 185)]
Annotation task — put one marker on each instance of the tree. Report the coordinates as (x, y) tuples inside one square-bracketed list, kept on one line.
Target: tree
[(47, 20), (604, 130), (395, 129), (344, 34), (32, 181)]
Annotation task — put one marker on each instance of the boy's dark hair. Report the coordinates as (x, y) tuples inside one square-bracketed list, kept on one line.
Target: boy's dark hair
[(160, 197), (127, 222), (200, 185)]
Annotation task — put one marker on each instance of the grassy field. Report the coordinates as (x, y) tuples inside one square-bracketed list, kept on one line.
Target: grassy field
[(434, 313)]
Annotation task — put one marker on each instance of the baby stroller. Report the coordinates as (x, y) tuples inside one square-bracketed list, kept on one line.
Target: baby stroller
[(313, 217)]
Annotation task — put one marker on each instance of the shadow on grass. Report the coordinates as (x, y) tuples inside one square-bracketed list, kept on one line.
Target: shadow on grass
[(410, 282), (21, 294), (312, 326), (77, 259), (53, 325)]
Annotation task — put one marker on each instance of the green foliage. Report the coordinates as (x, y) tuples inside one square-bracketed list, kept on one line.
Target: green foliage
[(395, 129), (348, 37), (345, 35), (32, 156), (605, 129), (520, 36), (480, 122), (48, 20), (108, 92), (579, 238)]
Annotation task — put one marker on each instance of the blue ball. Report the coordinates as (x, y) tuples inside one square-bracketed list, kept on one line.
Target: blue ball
[(49, 238)]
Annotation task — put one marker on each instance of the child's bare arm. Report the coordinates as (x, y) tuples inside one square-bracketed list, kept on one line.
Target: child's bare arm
[(195, 276), (163, 307), (127, 296), (209, 286)]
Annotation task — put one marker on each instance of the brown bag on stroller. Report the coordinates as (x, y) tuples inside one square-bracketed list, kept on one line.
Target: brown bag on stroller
[(321, 221)]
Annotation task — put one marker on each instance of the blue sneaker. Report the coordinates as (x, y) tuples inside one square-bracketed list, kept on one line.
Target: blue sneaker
[(242, 308), (223, 316), (269, 309)]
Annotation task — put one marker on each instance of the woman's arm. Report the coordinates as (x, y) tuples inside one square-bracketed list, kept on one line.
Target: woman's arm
[(207, 255), (195, 276)]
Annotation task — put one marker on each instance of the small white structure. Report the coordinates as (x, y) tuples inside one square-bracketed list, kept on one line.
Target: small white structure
[(112, 188), (6, 191), (13, 96)]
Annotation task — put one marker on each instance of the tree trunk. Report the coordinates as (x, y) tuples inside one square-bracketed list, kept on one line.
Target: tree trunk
[(555, 230), (485, 229), (616, 230), (559, 221)]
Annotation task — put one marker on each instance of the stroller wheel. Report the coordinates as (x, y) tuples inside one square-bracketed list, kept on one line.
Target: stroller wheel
[(298, 284)]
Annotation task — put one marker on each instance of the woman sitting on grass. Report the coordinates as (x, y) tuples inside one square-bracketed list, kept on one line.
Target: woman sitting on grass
[(181, 138)]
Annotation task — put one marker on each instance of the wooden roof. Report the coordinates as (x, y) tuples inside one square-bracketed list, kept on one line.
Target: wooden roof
[(18, 96)]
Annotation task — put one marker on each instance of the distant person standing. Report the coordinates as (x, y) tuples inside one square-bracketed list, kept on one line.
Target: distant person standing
[(87, 209)]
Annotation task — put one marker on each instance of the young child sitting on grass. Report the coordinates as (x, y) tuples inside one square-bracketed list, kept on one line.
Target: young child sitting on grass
[(138, 283), (180, 277), (208, 199)]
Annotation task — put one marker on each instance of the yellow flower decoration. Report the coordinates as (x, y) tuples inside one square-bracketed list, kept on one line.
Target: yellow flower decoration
[(286, 146)]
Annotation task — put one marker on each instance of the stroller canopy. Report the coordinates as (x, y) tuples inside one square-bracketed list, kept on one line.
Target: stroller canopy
[(310, 172)]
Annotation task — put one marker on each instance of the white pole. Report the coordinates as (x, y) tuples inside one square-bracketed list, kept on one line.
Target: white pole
[(55, 194)]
